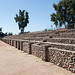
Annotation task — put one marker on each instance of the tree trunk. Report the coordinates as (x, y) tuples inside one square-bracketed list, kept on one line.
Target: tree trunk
[(22, 30)]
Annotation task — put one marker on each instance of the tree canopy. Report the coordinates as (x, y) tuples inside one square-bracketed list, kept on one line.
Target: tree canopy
[(22, 19), (65, 13)]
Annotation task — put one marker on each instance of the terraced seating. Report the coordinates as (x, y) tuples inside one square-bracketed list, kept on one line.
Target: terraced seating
[(57, 47), (70, 47), (65, 35), (61, 40)]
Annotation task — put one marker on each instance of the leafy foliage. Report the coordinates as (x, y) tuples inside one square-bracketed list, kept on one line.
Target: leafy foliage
[(65, 13), (22, 19), (9, 34)]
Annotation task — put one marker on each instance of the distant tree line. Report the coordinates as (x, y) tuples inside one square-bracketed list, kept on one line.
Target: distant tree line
[(8, 34)]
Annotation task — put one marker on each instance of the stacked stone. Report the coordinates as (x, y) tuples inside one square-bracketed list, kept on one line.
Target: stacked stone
[(40, 50), (18, 44), (63, 46), (62, 58), (65, 35), (15, 43), (61, 40), (12, 42), (65, 31), (27, 46), (21, 44)]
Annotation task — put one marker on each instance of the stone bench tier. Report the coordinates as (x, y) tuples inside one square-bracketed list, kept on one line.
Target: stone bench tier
[(62, 58), (65, 35), (70, 47), (61, 40)]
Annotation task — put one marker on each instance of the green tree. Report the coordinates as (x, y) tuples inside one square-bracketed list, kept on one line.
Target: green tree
[(9, 34), (65, 13), (22, 19)]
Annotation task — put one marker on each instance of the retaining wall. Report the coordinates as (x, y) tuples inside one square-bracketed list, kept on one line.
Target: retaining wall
[(40, 50), (62, 58), (27, 47)]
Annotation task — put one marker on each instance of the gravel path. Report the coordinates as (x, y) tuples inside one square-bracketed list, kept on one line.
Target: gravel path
[(16, 62)]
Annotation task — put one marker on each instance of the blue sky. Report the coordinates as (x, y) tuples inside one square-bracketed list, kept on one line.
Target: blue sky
[(39, 14)]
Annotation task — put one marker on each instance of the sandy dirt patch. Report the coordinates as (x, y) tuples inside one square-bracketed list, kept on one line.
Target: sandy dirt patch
[(16, 62)]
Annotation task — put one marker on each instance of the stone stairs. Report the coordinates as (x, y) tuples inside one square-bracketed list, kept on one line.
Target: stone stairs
[(70, 47), (64, 35), (61, 40), (57, 47)]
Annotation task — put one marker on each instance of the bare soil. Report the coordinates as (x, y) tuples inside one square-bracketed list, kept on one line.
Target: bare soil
[(16, 62)]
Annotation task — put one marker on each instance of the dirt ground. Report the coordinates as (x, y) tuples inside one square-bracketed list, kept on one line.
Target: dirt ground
[(16, 62)]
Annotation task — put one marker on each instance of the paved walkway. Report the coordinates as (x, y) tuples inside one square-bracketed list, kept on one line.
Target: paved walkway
[(16, 62)]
